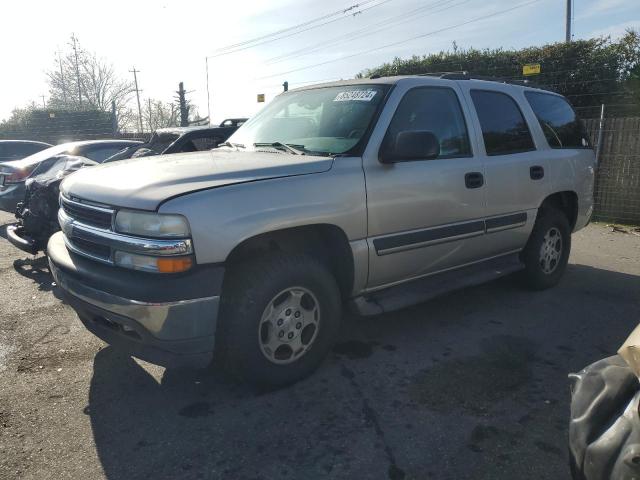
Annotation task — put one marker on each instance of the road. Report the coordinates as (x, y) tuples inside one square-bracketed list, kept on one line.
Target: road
[(469, 386)]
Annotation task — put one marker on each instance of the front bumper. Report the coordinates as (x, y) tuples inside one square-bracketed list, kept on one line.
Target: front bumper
[(10, 195), (17, 237), (169, 320)]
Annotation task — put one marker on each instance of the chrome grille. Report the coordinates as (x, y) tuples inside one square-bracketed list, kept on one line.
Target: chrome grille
[(88, 214), (87, 232), (95, 250)]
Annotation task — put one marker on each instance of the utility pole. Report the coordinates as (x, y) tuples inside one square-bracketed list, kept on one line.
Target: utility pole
[(568, 20), (206, 62), (135, 81), (75, 52), (184, 109), (150, 124), (44, 105), (285, 85)]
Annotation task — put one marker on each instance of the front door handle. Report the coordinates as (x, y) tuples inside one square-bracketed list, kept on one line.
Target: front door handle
[(536, 172), (473, 179)]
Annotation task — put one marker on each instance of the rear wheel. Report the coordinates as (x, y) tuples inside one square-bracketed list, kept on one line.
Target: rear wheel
[(279, 318), (547, 252)]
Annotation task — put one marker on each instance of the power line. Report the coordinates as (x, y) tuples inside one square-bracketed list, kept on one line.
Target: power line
[(484, 17), (271, 40), (342, 11), (369, 29)]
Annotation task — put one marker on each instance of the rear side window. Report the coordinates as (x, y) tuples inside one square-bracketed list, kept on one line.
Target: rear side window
[(20, 150), (436, 110), (27, 149), (504, 129), (558, 121)]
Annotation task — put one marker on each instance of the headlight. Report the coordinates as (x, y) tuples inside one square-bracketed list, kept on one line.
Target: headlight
[(148, 224), (148, 263)]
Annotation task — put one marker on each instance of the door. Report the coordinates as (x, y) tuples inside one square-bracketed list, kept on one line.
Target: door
[(424, 216), (515, 171)]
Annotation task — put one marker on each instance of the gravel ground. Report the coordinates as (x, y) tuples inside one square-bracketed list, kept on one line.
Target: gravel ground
[(471, 385)]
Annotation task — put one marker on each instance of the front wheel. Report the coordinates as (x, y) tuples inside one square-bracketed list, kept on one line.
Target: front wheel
[(547, 252), (279, 318)]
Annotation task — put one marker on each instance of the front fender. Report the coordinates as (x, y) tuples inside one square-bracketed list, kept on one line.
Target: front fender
[(223, 217)]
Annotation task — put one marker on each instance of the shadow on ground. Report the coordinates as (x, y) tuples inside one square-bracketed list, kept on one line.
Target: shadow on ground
[(471, 385), (37, 270), (34, 268)]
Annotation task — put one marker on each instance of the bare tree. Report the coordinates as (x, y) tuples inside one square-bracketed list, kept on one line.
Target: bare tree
[(158, 114), (80, 80)]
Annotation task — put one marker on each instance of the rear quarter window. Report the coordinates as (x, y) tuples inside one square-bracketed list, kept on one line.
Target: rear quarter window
[(558, 121)]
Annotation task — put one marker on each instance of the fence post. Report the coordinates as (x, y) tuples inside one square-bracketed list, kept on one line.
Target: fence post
[(600, 128)]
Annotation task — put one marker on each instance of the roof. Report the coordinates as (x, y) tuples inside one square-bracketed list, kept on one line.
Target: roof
[(183, 130), (98, 142), (451, 77), (30, 142)]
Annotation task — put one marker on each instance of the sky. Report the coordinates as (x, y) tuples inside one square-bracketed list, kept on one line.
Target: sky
[(168, 40)]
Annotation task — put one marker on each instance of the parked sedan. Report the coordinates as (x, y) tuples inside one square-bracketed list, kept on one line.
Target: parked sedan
[(17, 149), (14, 173)]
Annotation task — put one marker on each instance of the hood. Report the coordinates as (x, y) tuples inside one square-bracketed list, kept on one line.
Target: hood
[(144, 183)]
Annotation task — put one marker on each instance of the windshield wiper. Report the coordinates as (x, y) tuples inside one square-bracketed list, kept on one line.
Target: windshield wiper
[(295, 149), (229, 144)]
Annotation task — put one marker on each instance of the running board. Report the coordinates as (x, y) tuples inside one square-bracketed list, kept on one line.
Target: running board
[(423, 289)]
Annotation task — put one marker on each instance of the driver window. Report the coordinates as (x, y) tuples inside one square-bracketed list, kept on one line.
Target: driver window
[(437, 110)]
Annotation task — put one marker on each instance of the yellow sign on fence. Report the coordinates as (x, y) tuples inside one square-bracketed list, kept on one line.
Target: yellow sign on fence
[(261, 98), (531, 69)]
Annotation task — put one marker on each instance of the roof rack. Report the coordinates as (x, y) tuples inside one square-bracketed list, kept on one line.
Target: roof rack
[(465, 75), (468, 76)]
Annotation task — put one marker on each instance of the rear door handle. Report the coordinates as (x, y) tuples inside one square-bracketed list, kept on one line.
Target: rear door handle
[(473, 179), (536, 172)]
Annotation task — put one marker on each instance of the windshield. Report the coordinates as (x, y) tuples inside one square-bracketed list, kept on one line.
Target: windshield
[(330, 120), (160, 141)]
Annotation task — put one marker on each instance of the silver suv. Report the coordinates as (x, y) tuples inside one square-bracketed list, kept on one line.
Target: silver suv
[(379, 193)]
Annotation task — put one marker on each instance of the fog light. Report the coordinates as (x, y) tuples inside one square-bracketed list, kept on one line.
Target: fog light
[(153, 264)]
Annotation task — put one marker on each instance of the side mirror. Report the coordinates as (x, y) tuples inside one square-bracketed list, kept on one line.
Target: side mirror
[(408, 146)]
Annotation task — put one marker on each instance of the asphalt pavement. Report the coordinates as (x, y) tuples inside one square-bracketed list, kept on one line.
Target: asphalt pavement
[(472, 385)]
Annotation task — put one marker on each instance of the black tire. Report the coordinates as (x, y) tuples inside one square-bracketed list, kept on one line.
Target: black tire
[(249, 288), (553, 222)]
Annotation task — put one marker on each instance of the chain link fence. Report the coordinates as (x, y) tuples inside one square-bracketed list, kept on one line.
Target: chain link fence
[(617, 186)]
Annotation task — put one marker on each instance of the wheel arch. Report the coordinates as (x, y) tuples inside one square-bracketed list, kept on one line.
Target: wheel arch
[(327, 243), (565, 201)]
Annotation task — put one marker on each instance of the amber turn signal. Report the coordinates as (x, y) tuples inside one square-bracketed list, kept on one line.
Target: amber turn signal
[(174, 264)]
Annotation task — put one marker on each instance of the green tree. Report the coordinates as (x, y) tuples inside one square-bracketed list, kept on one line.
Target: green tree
[(589, 72)]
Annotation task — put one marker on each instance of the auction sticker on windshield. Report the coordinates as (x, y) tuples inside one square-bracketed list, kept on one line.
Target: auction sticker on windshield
[(355, 95)]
